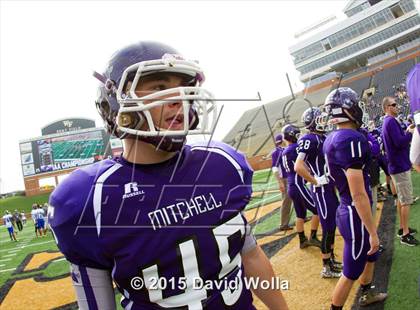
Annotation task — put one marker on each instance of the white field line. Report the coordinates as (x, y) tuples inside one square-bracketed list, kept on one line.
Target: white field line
[(5, 260), (262, 201), (27, 245), (7, 270), (8, 255)]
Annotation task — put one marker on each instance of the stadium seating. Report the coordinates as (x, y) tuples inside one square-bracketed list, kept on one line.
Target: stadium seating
[(252, 135), (358, 85), (384, 81)]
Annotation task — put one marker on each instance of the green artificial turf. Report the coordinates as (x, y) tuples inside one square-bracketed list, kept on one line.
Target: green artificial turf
[(404, 280), (21, 203)]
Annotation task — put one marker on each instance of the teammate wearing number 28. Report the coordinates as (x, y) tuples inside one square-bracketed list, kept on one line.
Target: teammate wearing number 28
[(310, 165), (165, 214)]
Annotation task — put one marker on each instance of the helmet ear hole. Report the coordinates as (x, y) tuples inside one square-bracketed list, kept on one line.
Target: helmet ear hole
[(103, 107), (130, 120)]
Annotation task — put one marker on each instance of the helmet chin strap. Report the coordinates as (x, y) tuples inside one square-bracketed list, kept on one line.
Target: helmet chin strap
[(167, 144), (351, 118), (135, 120)]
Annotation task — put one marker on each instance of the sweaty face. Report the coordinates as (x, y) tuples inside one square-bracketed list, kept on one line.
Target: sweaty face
[(170, 115)]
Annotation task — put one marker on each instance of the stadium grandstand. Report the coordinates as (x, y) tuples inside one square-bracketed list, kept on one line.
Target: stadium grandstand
[(371, 51)]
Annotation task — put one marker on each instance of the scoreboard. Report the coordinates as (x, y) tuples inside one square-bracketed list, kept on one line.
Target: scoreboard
[(63, 151)]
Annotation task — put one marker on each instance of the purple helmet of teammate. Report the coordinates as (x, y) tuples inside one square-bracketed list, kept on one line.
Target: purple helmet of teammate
[(342, 105), (313, 119), (290, 133), (278, 139), (126, 113)]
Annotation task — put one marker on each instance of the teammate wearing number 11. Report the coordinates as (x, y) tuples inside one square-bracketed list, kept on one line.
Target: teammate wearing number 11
[(164, 209)]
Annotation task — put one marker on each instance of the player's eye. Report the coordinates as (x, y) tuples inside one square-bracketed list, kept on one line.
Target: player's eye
[(159, 87)]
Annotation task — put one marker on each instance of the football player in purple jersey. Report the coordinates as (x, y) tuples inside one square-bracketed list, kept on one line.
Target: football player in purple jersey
[(310, 165), (280, 174), (374, 172), (382, 158), (164, 221), (297, 190), (348, 155)]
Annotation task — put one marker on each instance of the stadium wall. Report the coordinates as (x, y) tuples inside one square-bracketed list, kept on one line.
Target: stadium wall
[(259, 162), (32, 187)]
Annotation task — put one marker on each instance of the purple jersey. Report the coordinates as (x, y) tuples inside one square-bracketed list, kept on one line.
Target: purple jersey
[(296, 188), (288, 162), (403, 124), (179, 220), (347, 148), (311, 151), (397, 146), (373, 142), (344, 149), (413, 82), (276, 163), (310, 146)]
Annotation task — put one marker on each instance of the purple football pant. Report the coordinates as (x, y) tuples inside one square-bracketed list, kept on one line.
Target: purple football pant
[(302, 200), (356, 242), (326, 203)]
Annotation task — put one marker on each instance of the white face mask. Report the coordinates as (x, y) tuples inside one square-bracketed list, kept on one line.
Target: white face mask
[(191, 97)]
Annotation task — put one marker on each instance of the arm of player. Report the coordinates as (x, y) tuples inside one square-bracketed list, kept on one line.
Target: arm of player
[(302, 169), (361, 201), (399, 140), (257, 265), (93, 288), (277, 174)]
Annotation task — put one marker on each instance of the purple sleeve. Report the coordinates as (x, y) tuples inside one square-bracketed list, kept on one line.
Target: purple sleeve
[(396, 135), (70, 213), (306, 146), (275, 159), (413, 88), (374, 145)]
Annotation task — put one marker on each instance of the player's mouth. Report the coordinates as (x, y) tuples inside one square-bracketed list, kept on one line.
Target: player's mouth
[(175, 122)]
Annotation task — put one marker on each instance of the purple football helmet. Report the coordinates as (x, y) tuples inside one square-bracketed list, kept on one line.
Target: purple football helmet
[(342, 105), (290, 133), (314, 119), (126, 114)]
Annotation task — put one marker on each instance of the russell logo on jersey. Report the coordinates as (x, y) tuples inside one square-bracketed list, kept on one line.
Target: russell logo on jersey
[(131, 189)]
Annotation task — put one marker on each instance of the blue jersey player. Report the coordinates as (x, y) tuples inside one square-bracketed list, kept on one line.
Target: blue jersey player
[(7, 221), (348, 155), (164, 221), (310, 164), (297, 190)]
